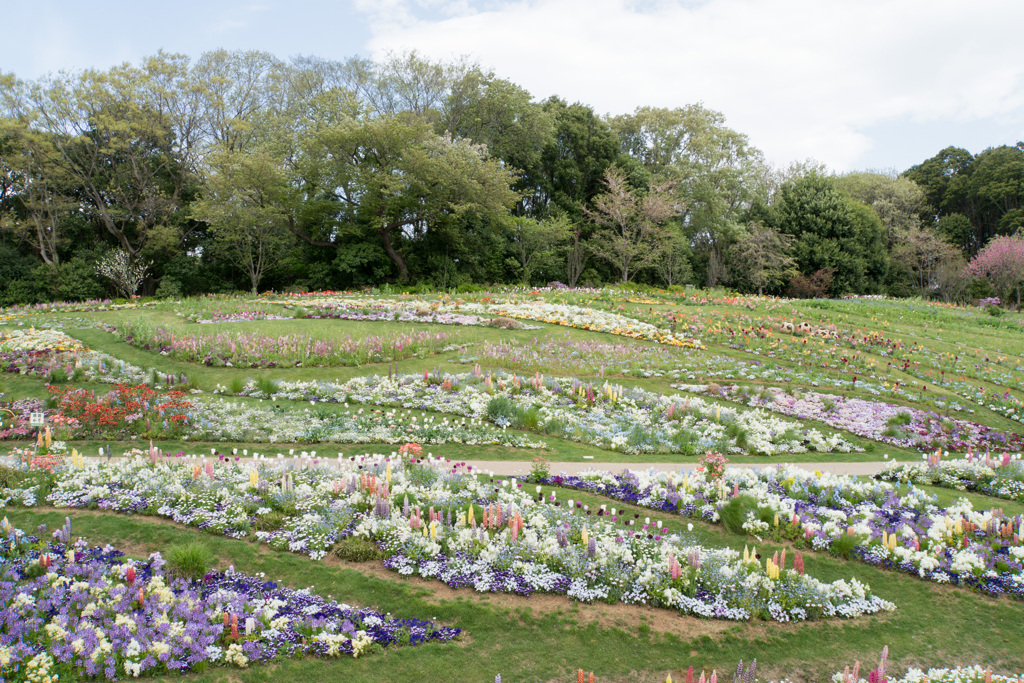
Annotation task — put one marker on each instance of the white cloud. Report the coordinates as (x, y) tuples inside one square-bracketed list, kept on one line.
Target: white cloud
[(802, 78)]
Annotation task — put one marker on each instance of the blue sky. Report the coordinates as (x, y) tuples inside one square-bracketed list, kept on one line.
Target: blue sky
[(856, 84)]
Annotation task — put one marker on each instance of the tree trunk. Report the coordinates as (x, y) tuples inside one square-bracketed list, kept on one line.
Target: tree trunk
[(403, 271)]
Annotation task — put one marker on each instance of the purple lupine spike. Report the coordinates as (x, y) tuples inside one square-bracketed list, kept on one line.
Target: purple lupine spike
[(738, 676), (751, 674), (592, 547)]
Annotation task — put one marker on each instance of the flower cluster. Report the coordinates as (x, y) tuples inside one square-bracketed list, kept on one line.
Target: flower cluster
[(285, 350), (1002, 478), (74, 611), (439, 521), (877, 420), (608, 416), (896, 528)]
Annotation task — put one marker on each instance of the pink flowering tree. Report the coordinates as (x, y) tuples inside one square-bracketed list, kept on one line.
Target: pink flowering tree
[(1001, 262)]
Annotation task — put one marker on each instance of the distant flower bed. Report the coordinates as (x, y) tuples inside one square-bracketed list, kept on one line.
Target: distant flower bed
[(877, 420), (999, 478), (269, 351), (607, 416)]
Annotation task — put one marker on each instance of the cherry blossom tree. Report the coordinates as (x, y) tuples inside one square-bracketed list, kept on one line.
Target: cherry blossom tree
[(1001, 262)]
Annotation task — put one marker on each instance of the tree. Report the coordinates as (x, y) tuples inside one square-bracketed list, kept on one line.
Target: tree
[(762, 254), (940, 178), (897, 201), (238, 88), (398, 179), (831, 232), (126, 139), (502, 116), (1001, 262), (37, 192), (535, 242), (574, 161), (575, 256), (716, 173), (923, 254), (673, 264), (126, 272), (249, 204), (632, 234)]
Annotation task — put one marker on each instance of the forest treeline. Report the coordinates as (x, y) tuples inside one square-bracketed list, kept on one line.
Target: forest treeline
[(241, 171)]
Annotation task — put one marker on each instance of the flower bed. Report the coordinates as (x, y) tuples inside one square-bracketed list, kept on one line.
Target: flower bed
[(886, 422), (269, 351), (893, 528), (38, 340), (424, 517), (607, 416), (74, 611), (1003, 478)]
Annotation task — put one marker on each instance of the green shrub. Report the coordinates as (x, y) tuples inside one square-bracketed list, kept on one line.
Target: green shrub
[(899, 420), (355, 549), (734, 513), (501, 411), (272, 521), (528, 418), (236, 385), (169, 288), (190, 560), (266, 386), (10, 477), (843, 546)]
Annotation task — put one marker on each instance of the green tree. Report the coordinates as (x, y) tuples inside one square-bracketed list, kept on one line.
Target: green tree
[(125, 139), (536, 243), (715, 171), (896, 200), (397, 179), (762, 254), (831, 231), (923, 254), (499, 114), (249, 204), (574, 162)]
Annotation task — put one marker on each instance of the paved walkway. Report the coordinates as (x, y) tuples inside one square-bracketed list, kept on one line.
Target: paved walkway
[(509, 467)]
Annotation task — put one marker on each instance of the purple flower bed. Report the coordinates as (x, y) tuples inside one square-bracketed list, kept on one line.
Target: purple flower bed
[(887, 422), (94, 613)]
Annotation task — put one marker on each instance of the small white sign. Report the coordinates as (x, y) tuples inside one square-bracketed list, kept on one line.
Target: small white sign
[(37, 419)]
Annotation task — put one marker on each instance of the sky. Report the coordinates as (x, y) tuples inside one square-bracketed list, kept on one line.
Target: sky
[(853, 84)]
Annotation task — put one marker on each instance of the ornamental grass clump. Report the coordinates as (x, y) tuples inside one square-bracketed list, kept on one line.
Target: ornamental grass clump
[(734, 513), (190, 560)]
